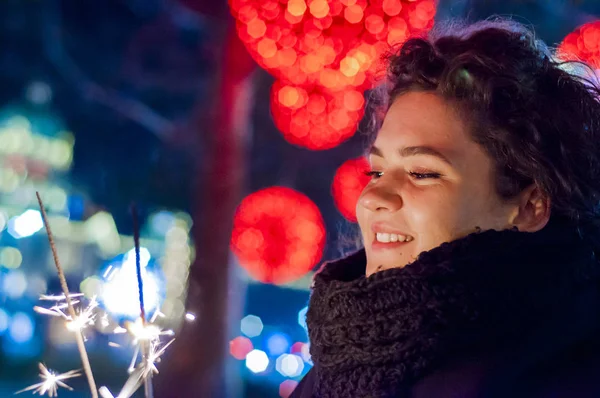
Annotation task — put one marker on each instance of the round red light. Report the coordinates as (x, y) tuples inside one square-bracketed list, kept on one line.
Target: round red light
[(315, 118), (582, 44), (348, 183), (308, 27), (278, 235)]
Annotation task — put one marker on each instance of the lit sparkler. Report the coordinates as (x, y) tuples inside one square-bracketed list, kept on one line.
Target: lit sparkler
[(51, 382), (84, 316), (138, 374), (63, 283), (148, 333)]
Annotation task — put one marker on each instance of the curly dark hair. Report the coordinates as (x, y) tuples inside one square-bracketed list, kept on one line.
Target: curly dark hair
[(536, 116)]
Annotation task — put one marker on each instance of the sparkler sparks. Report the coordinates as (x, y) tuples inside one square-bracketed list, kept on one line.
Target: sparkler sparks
[(145, 368), (84, 317), (148, 333), (51, 382)]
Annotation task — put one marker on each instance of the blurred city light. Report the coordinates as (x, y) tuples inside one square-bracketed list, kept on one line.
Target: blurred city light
[(10, 257), (161, 222), (289, 365), (3, 220), (240, 347), (26, 224), (257, 361), (14, 284), (21, 327), (190, 317), (4, 321), (278, 343), (251, 326), (120, 294), (287, 387), (302, 317)]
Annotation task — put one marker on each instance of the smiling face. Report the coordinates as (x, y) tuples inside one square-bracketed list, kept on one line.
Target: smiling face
[(431, 183)]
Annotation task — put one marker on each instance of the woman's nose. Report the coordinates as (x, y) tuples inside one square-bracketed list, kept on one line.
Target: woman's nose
[(379, 199)]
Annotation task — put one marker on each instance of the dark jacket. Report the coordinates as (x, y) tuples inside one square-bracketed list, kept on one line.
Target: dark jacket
[(494, 314)]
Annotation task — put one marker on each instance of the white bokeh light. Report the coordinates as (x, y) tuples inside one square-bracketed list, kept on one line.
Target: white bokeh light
[(289, 365), (14, 284), (257, 361), (26, 224), (120, 294)]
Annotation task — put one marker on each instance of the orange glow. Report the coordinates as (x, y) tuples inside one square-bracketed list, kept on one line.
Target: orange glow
[(296, 8), (292, 19), (349, 66), (289, 96), (287, 57), (353, 14), (353, 100), (319, 8), (329, 78), (257, 28), (311, 63), (267, 48), (374, 23), (392, 7)]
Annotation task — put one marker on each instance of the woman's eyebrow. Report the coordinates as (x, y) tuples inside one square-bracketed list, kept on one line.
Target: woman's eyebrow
[(413, 151)]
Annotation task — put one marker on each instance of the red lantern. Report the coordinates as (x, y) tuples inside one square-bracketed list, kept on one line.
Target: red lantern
[(278, 235), (348, 183), (333, 43), (315, 118), (583, 44)]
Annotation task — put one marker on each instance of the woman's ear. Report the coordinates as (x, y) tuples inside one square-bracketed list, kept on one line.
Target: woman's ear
[(533, 211)]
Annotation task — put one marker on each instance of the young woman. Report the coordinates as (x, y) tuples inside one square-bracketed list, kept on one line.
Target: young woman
[(479, 275)]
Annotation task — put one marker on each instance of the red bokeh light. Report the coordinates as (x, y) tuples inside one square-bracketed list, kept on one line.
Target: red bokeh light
[(297, 347), (315, 118), (334, 43), (278, 235), (240, 347), (348, 183), (582, 44), (287, 387)]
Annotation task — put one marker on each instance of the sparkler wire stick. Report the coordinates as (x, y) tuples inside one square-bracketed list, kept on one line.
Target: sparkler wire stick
[(144, 345), (63, 283)]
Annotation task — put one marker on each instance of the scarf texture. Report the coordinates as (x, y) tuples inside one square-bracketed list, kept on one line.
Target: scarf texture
[(375, 336)]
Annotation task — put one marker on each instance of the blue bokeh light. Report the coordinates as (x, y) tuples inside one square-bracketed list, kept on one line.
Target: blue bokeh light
[(278, 343)]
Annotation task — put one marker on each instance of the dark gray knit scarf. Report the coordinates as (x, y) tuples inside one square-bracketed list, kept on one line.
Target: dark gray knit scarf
[(373, 337)]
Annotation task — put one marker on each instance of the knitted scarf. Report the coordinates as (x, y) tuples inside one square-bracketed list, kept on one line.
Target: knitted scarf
[(374, 336)]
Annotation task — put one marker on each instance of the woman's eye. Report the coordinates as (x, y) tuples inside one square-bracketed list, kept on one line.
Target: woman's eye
[(374, 174), (423, 176)]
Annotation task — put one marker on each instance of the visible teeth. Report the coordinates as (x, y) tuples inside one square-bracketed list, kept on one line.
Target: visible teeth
[(382, 237), (387, 238)]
